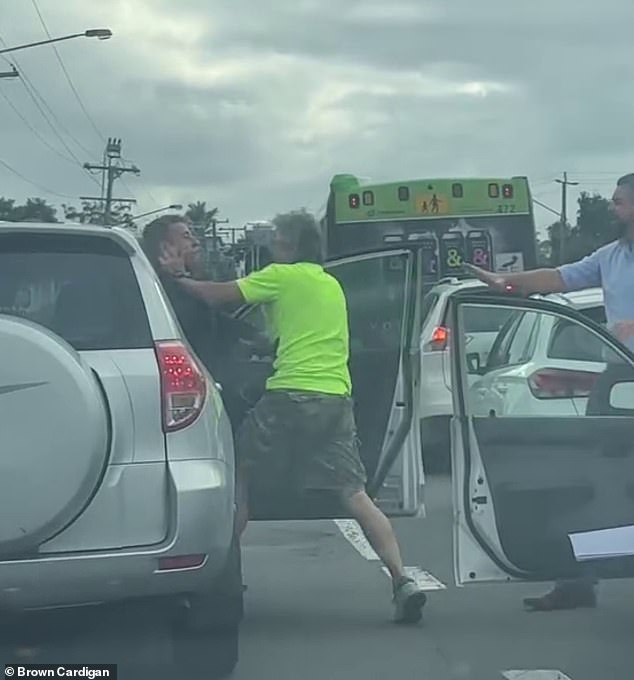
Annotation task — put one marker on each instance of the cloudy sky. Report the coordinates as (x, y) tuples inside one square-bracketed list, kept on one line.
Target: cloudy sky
[(252, 105)]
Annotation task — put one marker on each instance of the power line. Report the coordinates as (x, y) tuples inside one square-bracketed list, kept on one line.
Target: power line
[(31, 182), (67, 75), (34, 131), (34, 94)]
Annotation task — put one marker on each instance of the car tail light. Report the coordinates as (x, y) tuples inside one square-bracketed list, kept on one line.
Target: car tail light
[(555, 383), (183, 385), (439, 339)]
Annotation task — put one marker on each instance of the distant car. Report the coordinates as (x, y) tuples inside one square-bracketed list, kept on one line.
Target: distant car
[(117, 466), (436, 399), (539, 364), (483, 328)]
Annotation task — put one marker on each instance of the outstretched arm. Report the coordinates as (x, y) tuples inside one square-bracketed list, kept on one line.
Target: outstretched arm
[(536, 281)]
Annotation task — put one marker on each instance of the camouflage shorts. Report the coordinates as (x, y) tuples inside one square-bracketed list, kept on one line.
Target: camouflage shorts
[(305, 440)]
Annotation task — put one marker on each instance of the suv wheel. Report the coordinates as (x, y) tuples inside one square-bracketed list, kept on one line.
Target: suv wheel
[(206, 634)]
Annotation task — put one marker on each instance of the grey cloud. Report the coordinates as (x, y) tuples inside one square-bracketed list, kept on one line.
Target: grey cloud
[(255, 105)]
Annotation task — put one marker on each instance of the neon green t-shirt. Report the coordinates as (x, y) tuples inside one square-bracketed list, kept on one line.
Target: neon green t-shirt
[(308, 314)]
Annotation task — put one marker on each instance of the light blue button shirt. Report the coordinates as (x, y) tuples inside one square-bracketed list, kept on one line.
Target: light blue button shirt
[(612, 268)]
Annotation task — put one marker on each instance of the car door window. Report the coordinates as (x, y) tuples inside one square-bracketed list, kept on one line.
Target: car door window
[(514, 342)]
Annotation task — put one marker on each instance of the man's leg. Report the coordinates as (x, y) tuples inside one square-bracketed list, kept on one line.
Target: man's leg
[(378, 531), (409, 599)]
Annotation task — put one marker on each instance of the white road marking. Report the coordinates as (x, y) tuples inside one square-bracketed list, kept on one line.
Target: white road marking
[(351, 531), (424, 580), (535, 675)]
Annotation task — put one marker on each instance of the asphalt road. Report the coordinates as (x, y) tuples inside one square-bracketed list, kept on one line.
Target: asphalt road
[(317, 608)]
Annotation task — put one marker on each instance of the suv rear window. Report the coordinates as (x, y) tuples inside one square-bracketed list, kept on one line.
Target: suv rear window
[(81, 287), (485, 319)]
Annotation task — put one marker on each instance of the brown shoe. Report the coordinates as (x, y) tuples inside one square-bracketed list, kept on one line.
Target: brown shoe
[(563, 598)]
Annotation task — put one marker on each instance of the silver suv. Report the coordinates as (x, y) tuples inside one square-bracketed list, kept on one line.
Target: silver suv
[(117, 469)]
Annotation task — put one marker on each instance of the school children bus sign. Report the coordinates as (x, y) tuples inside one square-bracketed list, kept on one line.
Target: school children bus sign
[(431, 203)]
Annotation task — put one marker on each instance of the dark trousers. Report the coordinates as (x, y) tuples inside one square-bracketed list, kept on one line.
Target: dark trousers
[(599, 405)]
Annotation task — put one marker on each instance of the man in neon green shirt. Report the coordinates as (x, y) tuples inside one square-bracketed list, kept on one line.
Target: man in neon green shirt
[(306, 415)]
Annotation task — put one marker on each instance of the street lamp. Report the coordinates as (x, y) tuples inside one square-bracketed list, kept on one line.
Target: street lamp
[(99, 33), (174, 206)]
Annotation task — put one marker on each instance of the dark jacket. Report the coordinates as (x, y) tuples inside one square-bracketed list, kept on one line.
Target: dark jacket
[(213, 335)]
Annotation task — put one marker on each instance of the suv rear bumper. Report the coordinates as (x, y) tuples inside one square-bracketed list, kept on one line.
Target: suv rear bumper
[(202, 506)]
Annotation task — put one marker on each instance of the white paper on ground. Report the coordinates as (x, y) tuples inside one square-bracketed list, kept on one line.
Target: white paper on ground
[(604, 543)]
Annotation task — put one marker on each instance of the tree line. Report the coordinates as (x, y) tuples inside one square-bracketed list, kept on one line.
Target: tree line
[(89, 212), (594, 228)]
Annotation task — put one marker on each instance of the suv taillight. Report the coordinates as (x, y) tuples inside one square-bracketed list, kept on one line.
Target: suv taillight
[(556, 383), (439, 338), (183, 385)]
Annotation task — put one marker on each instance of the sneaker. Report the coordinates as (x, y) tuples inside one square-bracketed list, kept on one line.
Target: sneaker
[(562, 598), (409, 601)]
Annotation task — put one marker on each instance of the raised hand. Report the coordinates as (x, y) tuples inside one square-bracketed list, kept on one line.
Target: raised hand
[(171, 260), (491, 279)]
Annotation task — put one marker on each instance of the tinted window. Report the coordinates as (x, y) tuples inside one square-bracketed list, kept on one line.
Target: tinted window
[(485, 319), (81, 287), (597, 314), (522, 345), (516, 340)]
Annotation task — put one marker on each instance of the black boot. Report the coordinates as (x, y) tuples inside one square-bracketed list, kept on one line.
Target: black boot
[(564, 596)]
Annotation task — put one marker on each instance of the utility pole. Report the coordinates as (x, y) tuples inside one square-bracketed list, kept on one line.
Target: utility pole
[(564, 212), (232, 231), (214, 231), (113, 168)]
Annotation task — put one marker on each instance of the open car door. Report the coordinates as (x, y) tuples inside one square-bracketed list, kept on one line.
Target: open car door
[(542, 446), (384, 294)]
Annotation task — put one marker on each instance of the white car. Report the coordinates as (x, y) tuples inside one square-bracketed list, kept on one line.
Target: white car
[(436, 400), (538, 364)]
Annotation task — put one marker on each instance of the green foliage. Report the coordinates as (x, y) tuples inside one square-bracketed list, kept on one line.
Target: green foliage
[(594, 228), (34, 210), (91, 212), (199, 215)]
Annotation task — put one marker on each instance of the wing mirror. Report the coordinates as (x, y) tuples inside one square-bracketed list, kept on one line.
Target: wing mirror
[(474, 364), (622, 396)]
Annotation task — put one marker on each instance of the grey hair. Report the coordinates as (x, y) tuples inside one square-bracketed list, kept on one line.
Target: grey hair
[(302, 235)]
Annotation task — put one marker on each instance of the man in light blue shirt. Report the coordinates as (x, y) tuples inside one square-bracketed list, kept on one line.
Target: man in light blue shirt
[(612, 268)]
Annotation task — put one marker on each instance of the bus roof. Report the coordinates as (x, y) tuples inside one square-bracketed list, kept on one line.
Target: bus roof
[(361, 200)]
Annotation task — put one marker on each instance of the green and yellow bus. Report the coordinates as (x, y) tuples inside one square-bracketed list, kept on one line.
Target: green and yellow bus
[(488, 222)]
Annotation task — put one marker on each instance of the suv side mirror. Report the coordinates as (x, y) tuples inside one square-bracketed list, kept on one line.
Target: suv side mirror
[(473, 363), (622, 396)]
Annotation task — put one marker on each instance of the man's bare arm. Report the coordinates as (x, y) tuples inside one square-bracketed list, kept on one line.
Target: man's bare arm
[(214, 293), (535, 281)]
